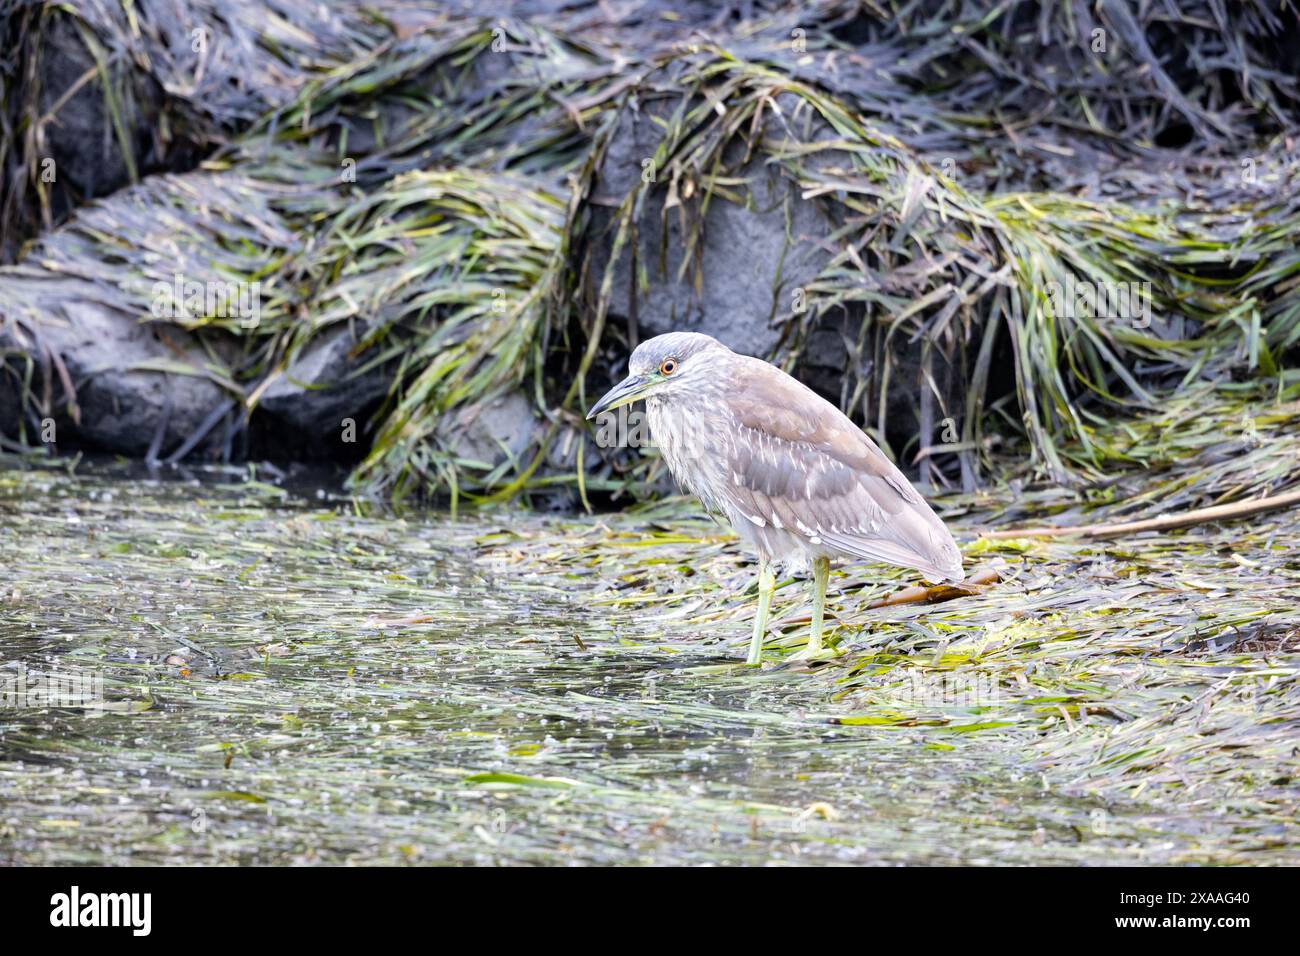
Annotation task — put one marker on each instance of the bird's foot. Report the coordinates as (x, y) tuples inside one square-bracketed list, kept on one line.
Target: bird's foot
[(823, 653)]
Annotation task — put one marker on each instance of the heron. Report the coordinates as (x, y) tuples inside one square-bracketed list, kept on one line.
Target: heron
[(799, 482)]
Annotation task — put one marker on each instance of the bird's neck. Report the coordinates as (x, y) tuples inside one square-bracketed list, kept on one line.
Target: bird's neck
[(682, 432)]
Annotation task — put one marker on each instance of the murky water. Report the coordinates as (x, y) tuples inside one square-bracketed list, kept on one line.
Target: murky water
[(286, 681)]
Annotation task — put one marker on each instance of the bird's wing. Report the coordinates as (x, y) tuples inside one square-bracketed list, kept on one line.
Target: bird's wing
[(798, 463)]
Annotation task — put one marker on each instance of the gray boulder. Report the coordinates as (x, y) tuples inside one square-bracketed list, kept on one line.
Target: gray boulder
[(82, 340), (124, 399), (325, 386), (495, 430), (751, 257)]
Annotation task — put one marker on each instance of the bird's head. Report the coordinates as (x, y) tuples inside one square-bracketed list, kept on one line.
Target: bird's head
[(676, 362)]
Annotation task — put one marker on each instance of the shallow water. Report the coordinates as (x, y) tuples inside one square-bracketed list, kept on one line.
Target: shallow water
[(287, 681)]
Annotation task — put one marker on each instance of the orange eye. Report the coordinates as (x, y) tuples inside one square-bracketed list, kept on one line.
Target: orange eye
[(667, 366)]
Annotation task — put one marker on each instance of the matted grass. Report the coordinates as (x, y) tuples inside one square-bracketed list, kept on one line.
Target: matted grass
[(289, 680)]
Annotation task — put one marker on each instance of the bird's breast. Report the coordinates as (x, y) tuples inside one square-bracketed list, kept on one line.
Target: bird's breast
[(682, 436)]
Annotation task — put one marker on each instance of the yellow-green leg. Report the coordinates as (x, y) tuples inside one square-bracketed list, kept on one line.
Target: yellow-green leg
[(766, 585), (821, 576)]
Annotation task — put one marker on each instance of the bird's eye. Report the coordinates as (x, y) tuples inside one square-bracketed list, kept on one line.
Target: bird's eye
[(667, 366)]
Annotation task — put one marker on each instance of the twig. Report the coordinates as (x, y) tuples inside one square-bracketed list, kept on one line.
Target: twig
[(1241, 509), (941, 592)]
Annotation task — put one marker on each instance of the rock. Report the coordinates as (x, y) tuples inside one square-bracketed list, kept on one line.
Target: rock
[(182, 78), (496, 430), (751, 260), (102, 344), (87, 292), (88, 157), (89, 298), (321, 389), (77, 152)]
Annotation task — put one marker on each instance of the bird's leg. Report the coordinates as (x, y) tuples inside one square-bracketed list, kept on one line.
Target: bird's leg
[(814, 651), (766, 585), (821, 575)]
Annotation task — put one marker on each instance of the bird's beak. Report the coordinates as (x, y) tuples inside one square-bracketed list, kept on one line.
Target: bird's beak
[(625, 392)]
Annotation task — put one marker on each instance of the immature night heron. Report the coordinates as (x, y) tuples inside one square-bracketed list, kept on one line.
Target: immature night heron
[(796, 478)]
